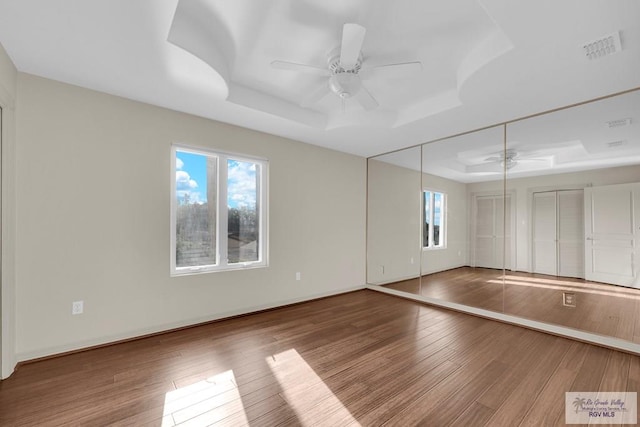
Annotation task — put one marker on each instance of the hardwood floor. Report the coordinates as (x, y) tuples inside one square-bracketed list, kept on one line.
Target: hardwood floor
[(363, 358), (600, 308)]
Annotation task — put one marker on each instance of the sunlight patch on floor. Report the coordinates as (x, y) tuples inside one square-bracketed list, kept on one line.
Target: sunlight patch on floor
[(562, 286), (304, 391), (578, 283), (205, 402)]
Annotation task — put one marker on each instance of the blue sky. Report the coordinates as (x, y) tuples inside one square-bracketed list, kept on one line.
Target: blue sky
[(191, 180), (437, 207)]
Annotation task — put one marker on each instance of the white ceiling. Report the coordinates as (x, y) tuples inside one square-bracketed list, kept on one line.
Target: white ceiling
[(484, 62)]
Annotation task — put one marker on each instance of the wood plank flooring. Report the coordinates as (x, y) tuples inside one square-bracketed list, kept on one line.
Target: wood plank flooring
[(601, 308), (362, 358)]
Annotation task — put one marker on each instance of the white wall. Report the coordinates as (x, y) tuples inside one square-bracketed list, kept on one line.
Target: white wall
[(93, 174), (8, 92), (393, 223), (524, 187)]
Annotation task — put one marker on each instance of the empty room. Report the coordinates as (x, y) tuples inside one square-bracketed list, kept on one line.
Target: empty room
[(319, 213)]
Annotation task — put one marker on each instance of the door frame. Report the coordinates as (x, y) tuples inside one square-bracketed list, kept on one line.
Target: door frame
[(8, 359)]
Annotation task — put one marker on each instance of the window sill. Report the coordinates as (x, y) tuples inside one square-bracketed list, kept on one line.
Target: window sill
[(437, 248), (190, 271)]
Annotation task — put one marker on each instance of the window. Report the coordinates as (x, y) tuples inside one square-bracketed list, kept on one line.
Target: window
[(218, 211), (433, 230)]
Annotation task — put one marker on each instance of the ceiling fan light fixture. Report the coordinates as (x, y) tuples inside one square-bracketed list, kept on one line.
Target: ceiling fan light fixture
[(344, 84), (508, 163)]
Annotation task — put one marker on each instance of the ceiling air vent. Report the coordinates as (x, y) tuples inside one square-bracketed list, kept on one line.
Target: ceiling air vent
[(604, 46), (619, 123), (616, 144)]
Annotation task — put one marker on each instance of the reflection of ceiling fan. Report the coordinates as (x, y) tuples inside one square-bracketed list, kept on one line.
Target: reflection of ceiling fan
[(507, 159), (346, 71)]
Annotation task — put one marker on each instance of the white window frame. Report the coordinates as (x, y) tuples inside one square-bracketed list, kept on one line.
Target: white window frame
[(444, 220), (222, 263)]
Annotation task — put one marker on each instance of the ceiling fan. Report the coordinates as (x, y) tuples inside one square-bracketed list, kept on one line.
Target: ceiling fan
[(345, 71), (507, 159)]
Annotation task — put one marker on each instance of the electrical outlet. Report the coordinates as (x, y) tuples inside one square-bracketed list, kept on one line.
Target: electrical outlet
[(77, 307), (569, 299), (298, 275)]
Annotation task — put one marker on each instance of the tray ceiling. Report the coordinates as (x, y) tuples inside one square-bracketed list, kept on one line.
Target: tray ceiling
[(483, 62)]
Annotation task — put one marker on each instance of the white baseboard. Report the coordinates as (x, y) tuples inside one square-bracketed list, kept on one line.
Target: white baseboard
[(9, 364), (564, 331), (440, 270), (140, 333)]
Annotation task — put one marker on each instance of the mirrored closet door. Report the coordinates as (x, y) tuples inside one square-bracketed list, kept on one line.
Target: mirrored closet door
[(393, 220), (538, 218), (575, 176), (428, 228)]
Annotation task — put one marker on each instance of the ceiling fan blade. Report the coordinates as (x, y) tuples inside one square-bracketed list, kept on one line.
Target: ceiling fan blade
[(393, 71), (315, 96), (494, 159), (485, 168), (352, 39), (534, 160), (366, 99), (292, 66)]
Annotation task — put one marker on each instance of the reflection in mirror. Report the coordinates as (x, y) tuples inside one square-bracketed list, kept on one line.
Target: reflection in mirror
[(462, 183), (393, 219), (461, 209), (556, 242), (575, 176)]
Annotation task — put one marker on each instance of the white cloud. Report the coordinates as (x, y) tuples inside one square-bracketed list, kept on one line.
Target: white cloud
[(184, 181), (179, 163), (185, 187), (242, 183)]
